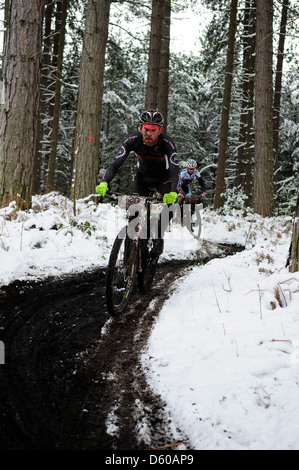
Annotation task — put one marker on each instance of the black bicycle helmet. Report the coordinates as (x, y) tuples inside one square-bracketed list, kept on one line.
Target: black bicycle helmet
[(151, 117)]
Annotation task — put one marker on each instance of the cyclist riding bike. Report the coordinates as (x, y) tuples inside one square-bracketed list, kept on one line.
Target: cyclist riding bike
[(157, 159), (101, 178), (186, 177), (101, 175)]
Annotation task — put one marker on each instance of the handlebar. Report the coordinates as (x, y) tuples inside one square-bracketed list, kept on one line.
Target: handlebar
[(145, 200), (132, 199)]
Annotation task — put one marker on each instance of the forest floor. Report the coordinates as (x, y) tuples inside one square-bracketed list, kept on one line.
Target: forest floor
[(72, 378)]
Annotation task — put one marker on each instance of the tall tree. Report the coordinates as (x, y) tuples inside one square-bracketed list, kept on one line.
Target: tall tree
[(243, 177), (89, 110), (158, 61), (21, 75), (264, 158), (224, 126), (153, 72), (278, 78), (162, 98), (61, 17), (45, 62), (293, 260)]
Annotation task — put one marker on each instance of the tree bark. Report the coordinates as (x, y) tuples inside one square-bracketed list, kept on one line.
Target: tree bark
[(293, 261), (278, 79), (162, 99), (264, 155), (19, 116), (90, 93), (45, 62), (220, 178), (244, 177), (154, 61), (61, 26)]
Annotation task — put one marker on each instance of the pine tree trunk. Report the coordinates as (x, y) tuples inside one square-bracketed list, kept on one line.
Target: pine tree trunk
[(278, 79), (46, 57), (294, 248), (162, 99), (153, 74), (56, 108), (244, 165), (220, 178), (19, 116), (90, 93), (264, 155)]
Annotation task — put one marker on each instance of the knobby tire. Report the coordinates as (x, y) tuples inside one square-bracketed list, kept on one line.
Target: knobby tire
[(121, 273)]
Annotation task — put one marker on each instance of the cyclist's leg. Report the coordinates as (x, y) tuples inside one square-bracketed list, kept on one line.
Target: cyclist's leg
[(183, 190)]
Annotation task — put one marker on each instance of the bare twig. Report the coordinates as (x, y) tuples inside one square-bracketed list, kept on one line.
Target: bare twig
[(168, 445), (216, 298), (260, 300), (228, 281)]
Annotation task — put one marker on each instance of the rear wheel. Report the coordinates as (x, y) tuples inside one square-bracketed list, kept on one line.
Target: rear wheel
[(121, 273), (192, 217), (150, 250)]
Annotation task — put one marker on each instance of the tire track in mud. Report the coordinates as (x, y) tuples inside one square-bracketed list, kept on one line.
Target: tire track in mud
[(134, 417), (72, 377), (69, 367)]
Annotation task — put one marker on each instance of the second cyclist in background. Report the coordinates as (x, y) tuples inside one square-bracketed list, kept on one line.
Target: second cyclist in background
[(186, 177)]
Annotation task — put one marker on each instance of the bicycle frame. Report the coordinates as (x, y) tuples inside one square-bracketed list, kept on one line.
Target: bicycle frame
[(137, 248), (134, 253)]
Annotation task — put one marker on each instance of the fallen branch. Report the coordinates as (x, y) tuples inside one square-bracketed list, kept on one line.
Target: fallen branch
[(281, 341), (216, 298), (168, 445), (277, 341), (229, 285)]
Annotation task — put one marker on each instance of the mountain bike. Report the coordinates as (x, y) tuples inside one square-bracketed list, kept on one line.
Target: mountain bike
[(136, 250), (135, 253)]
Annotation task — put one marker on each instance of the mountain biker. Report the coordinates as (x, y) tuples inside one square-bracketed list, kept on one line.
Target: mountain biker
[(101, 178), (157, 159), (186, 177), (101, 175)]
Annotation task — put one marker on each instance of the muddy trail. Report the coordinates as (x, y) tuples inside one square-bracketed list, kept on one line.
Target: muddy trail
[(72, 378)]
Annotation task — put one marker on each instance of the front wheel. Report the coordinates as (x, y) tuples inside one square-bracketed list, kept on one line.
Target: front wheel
[(121, 273)]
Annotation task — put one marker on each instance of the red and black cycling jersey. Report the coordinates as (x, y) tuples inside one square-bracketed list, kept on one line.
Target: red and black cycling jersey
[(158, 161)]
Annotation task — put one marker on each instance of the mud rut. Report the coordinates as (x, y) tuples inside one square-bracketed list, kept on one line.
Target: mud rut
[(72, 377)]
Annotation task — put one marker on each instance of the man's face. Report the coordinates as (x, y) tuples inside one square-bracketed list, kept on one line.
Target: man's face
[(150, 134), (191, 170)]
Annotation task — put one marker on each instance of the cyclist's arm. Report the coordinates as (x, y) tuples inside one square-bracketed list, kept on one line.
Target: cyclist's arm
[(173, 162), (202, 184), (200, 180), (123, 153)]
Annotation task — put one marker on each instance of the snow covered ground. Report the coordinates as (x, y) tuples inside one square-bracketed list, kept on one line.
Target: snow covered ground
[(224, 351)]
